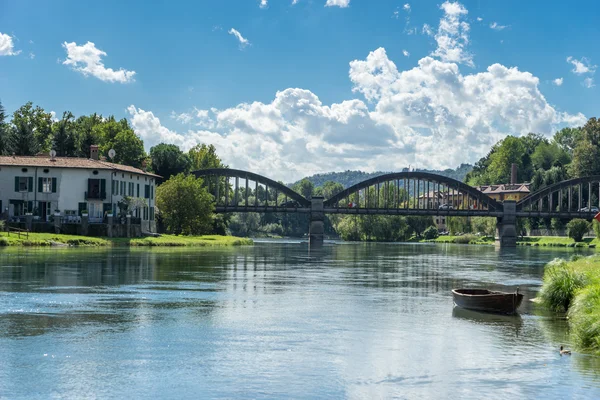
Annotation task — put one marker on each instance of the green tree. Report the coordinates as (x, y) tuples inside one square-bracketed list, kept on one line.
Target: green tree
[(458, 225), (204, 157), (4, 132), (32, 130), (586, 160), (418, 224), (305, 188), (329, 189), (576, 228), (87, 133), (568, 138), (244, 224), (431, 233), (597, 228), (63, 140), (185, 205), (168, 160)]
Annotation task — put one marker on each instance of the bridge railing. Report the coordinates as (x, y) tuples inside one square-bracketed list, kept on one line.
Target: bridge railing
[(579, 196)]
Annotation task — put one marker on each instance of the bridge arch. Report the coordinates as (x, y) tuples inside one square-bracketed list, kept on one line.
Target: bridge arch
[(443, 189), (570, 196), (246, 176)]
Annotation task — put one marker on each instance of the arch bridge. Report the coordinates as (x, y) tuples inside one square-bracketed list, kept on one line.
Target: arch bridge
[(401, 193)]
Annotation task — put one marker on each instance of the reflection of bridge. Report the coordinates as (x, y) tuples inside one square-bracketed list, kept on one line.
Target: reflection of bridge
[(402, 193)]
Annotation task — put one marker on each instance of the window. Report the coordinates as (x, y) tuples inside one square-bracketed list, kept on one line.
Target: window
[(23, 183), (151, 213), (23, 169), (46, 170), (47, 185), (147, 191), (138, 189)]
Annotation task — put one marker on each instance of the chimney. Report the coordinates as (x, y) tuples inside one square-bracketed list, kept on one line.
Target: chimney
[(94, 152), (513, 173)]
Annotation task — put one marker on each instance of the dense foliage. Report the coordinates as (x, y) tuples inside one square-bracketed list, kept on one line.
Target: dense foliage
[(185, 205), (576, 228)]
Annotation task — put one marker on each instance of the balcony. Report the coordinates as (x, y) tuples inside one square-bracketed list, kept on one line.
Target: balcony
[(95, 195)]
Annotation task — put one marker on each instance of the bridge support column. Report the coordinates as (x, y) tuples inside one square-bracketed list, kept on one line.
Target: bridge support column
[(316, 229), (506, 226)]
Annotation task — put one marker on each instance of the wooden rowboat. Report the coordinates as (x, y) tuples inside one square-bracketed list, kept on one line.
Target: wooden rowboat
[(487, 300)]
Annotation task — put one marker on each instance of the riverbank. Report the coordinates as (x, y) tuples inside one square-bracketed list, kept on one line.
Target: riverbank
[(574, 287), (535, 241), (51, 239)]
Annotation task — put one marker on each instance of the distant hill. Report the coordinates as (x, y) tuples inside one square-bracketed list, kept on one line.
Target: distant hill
[(349, 178)]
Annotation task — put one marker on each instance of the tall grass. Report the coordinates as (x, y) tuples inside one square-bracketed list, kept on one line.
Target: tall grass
[(561, 282), (584, 319)]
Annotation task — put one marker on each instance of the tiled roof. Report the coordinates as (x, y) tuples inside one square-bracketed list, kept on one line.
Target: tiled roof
[(507, 188), (69, 162)]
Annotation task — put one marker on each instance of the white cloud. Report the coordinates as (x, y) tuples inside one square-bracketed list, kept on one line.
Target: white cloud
[(406, 53), (453, 35), (396, 14), (295, 2), (263, 4), (558, 81), (406, 7), (184, 118), (337, 3), (582, 66), (495, 26), (87, 59), (588, 82), (427, 30), (432, 116), (479, 19), (243, 41), (7, 47)]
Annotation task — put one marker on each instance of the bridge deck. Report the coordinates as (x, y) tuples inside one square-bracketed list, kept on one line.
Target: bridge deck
[(363, 211)]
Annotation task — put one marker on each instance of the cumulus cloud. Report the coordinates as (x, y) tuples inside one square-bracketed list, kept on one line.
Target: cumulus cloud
[(7, 47), (431, 115), (427, 30), (452, 36), (558, 81), (582, 66), (405, 53), (263, 4), (243, 41), (337, 3), (588, 82), (87, 59), (406, 7)]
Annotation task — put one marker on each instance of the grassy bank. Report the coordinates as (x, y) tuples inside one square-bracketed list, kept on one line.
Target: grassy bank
[(557, 241), (574, 287), (462, 239), (51, 239), (182, 241)]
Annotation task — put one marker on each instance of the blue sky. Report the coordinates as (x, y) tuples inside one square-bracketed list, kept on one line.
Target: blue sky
[(188, 78)]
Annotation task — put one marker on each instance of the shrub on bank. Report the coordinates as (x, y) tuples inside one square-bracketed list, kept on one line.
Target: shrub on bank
[(576, 228), (584, 319), (465, 239), (561, 282), (431, 233)]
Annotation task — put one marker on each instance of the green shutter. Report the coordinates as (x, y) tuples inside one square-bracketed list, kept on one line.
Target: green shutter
[(40, 185), (106, 208), (16, 183), (30, 186), (102, 188), (146, 191), (53, 185), (30, 205), (82, 206), (151, 192), (138, 190)]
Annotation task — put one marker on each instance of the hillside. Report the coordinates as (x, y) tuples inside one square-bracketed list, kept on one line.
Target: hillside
[(349, 178)]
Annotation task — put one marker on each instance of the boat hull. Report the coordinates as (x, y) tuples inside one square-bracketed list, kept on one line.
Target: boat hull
[(487, 301)]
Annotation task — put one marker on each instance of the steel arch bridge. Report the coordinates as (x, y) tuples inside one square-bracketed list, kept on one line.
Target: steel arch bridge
[(401, 193)]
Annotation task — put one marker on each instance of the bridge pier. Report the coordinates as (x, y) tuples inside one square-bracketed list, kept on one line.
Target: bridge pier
[(506, 226), (316, 229)]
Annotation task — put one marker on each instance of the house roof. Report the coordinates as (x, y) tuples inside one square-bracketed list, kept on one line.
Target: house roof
[(505, 188), (69, 162)]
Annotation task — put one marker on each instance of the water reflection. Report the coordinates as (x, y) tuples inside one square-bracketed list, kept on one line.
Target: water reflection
[(279, 320)]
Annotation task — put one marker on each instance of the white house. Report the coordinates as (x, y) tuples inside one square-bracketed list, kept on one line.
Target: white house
[(43, 185)]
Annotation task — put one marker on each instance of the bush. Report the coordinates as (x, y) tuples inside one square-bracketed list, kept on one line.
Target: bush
[(576, 228), (597, 228), (465, 239), (431, 233), (560, 284), (584, 319)]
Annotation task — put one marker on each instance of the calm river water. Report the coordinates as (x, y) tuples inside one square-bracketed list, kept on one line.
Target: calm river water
[(279, 321)]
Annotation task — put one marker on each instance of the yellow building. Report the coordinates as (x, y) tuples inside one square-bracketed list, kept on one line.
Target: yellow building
[(509, 191)]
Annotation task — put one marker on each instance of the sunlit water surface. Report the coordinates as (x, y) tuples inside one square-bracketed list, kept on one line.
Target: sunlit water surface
[(279, 321)]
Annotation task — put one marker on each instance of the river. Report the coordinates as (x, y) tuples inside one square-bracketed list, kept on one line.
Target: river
[(276, 320)]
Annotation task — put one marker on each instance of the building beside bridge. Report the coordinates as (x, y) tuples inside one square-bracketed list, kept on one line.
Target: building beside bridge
[(68, 187)]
